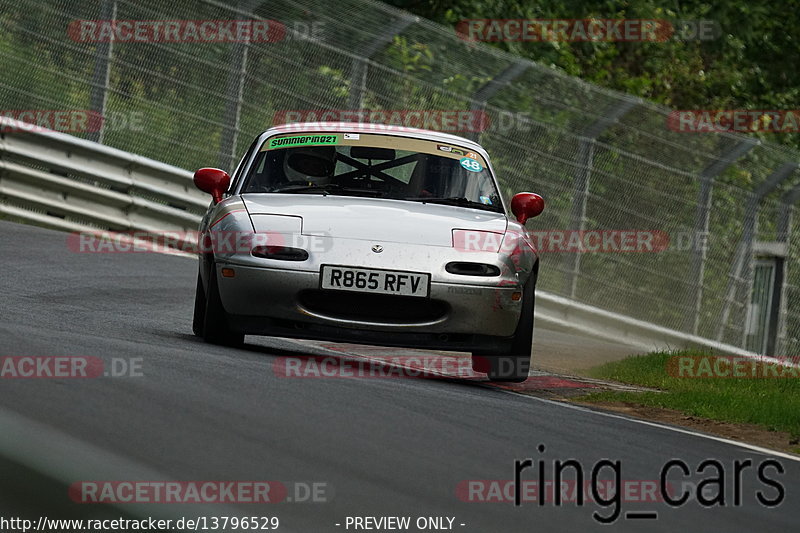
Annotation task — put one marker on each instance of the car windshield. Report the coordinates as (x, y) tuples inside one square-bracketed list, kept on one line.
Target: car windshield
[(378, 166)]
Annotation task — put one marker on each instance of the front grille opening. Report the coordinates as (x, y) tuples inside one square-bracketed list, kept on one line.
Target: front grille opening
[(366, 307)]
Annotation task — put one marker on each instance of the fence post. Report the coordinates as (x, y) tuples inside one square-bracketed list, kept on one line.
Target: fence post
[(233, 105), (234, 93), (101, 75), (358, 72), (580, 188), (701, 223), (743, 254)]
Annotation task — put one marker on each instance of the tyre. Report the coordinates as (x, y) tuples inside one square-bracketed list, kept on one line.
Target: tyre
[(513, 365), (216, 327)]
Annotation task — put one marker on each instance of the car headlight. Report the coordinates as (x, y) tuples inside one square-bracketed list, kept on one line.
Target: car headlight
[(466, 240)]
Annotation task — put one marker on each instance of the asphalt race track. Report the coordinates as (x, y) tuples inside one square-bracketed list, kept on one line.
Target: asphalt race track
[(379, 447)]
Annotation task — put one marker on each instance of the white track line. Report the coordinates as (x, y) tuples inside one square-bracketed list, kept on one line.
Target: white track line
[(686, 431)]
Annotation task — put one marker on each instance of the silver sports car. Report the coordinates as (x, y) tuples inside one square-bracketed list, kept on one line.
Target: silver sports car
[(357, 233)]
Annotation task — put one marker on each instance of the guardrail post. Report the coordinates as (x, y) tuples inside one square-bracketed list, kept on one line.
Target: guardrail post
[(491, 87), (743, 253), (101, 75), (358, 72), (701, 223), (580, 188)]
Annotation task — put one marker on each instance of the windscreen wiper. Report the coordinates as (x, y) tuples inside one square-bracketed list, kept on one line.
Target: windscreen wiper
[(454, 200), (324, 189), (330, 188)]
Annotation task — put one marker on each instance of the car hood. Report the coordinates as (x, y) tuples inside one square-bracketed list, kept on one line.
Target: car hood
[(370, 218)]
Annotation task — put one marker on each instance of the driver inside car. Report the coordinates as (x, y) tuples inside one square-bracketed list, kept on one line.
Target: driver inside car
[(313, 165)]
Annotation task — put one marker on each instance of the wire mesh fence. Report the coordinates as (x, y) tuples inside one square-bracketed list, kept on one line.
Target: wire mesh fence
[(173, 89)]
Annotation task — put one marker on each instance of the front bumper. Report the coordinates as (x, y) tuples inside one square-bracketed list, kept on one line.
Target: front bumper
[(265, 300)]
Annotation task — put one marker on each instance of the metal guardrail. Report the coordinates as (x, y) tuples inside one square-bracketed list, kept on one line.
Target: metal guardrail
[(63, 182), (40, 458), (562, 313)]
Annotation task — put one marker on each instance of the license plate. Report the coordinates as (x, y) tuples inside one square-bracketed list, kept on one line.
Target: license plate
[(343, 278)]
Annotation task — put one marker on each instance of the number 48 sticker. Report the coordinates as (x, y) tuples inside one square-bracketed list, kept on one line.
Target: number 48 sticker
[(471, 164)]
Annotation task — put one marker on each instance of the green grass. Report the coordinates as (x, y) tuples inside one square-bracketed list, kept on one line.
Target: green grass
[(773, 403)]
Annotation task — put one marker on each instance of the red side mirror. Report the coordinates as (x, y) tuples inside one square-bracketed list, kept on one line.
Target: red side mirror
[(526, 205), (213, 181)]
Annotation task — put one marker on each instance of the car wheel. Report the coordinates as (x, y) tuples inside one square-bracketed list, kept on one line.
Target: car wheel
[(199, 308), (514, 365), (216, 329)]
